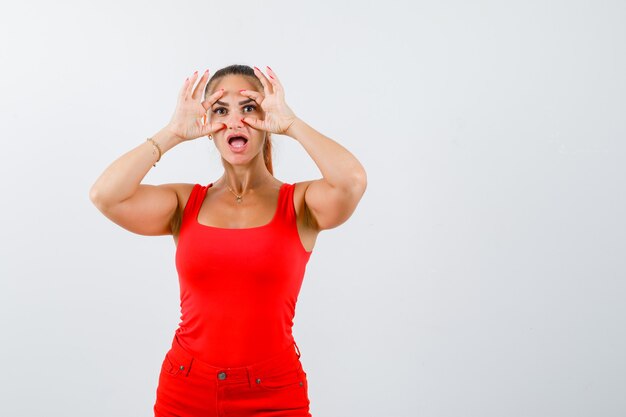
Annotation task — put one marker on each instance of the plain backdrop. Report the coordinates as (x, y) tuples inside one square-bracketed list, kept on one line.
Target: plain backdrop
[(482, 274)]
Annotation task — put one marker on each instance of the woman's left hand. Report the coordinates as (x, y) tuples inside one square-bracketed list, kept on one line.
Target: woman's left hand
[(278, 116)]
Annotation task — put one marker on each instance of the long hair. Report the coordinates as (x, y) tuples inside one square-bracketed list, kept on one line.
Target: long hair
[(247, 71)]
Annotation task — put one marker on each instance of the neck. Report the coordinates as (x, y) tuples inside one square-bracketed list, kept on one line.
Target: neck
[(243, 178)]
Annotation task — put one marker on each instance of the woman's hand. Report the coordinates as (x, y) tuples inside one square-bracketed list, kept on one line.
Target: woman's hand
[(190, 117), (278, 116)]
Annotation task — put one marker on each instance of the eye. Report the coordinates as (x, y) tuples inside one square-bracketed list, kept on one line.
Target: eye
[(218, 109), (252, 106)]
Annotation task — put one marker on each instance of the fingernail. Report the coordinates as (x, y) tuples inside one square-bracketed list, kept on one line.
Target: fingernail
[(195, 72), (257, 69), (270, 68), (241, 90)]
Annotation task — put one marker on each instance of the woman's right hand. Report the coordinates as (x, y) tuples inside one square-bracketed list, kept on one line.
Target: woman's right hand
[(190, 117)]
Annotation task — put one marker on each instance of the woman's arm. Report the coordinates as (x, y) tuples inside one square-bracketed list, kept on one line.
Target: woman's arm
[(122, 178), (143, 209), (332, 199), (152, 209)]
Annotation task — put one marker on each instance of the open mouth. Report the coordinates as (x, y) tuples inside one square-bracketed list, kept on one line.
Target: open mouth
[(237, 141)]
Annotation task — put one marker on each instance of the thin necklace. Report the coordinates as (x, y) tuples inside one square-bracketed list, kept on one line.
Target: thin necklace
[(239, 197)]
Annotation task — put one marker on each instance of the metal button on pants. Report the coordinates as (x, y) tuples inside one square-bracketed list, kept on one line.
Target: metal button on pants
[(189, 387)]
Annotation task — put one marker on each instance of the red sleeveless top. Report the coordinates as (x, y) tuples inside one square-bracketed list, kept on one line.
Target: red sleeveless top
[(239, 287)]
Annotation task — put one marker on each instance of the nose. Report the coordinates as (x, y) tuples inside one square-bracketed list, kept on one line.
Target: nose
[(234, 121)]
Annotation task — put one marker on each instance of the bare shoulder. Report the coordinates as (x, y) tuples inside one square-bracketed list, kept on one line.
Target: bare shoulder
[(326, 206), (302, 212), (307, 229), (183, 191), (298, 195)]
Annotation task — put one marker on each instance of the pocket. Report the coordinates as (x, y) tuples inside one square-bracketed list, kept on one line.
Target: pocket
[(294, 378), (170, 366)]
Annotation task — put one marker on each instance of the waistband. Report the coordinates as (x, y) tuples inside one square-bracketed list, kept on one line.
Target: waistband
[(185, 362)]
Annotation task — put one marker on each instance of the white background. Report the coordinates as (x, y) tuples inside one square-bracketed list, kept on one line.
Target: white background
[(483, 273)]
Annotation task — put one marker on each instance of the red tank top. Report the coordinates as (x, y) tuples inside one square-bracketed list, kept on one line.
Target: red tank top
[(239, 287)]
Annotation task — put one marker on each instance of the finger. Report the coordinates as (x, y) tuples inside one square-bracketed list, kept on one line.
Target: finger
[(206, 120), (254, 95), (276, 84), (266, 84), (183, 89), (210, 101), (254, 122), (211, 128), (202, 82), (192, 82)]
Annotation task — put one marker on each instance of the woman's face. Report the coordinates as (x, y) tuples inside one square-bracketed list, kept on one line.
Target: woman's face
[(230, 109)]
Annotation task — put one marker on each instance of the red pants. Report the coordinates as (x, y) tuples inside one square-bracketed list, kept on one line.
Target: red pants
[(187, 387)]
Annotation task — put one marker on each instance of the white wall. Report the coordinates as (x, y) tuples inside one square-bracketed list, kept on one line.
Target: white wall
[(481, 275)]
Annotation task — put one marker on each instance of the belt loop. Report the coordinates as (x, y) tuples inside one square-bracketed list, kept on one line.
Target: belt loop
[(250, 377), (189, 362), (297, 348)]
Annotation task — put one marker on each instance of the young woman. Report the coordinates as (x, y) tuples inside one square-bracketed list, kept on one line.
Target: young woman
[(242, 243)]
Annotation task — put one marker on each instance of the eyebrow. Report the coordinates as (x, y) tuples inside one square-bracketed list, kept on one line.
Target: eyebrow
[(240, 103)]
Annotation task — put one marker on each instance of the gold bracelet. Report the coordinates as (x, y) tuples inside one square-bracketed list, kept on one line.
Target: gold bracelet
[(155, 145)]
